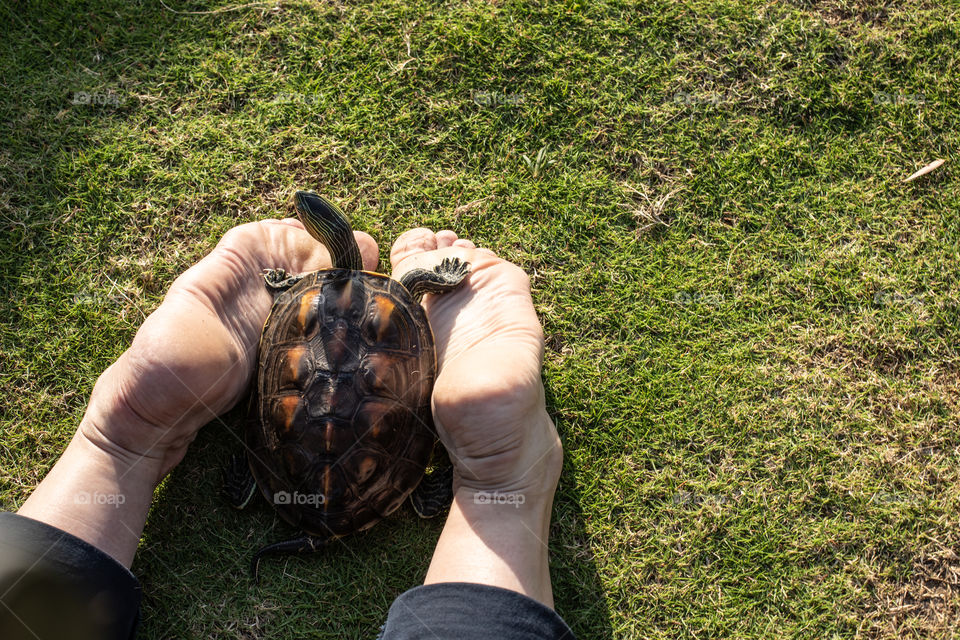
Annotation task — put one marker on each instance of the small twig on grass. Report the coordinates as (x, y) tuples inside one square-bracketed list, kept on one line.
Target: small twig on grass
[(470, 206), (933, 166)]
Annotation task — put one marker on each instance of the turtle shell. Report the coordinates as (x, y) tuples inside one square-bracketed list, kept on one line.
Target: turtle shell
[(346, 368)]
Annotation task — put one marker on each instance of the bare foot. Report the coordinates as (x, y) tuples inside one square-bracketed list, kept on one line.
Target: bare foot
[(489, 409)]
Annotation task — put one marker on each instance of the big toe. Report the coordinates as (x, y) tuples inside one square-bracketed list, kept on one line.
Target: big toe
[(445, 238), (411, 243), (368, 250)]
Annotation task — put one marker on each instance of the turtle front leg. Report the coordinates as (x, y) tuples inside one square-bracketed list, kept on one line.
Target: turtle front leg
[(303, 544), (278, 280), (446, 276)]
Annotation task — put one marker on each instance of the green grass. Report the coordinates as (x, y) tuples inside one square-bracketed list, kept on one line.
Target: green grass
[(757, 395)]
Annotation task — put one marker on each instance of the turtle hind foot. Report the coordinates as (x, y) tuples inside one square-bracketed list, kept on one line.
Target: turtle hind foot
[(434, 493), (279, 280), (239, 486), (303, 544), (446, 276)]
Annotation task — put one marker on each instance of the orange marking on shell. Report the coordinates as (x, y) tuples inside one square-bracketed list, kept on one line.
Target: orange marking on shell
[(288, 410), (326, 481), (385, 307), (328, 434), (306, 307), (294, 363), (367, 465)]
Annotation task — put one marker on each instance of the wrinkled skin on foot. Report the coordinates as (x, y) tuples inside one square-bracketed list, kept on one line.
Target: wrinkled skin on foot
[(488, 401)]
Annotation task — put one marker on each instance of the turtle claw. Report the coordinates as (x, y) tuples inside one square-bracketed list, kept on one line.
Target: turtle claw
[(453, 269)]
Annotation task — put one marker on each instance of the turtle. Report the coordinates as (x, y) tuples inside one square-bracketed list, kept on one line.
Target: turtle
[(340, 431)]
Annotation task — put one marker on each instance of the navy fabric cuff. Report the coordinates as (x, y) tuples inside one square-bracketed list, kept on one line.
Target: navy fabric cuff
[(467, 611), (54, 585)]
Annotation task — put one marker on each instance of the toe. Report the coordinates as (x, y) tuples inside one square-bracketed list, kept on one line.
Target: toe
[(289, 222), (368, 250), (466, 244), (411, 243), (445, 238)]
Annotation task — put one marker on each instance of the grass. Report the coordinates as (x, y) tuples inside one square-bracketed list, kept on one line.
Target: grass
[(752, 323)]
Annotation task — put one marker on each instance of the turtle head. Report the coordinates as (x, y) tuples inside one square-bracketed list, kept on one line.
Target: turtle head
[(327, 223)]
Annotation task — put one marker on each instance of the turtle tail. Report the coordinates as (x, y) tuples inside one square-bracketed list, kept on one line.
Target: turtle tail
[(303, 544)]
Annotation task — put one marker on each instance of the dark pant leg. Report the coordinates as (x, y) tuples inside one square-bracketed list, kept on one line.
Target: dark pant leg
[(56, 586), (466, 611)]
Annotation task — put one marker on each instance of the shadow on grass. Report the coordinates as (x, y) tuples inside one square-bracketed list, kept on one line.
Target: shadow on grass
[(194, 561), (195, 555), (577, 590)]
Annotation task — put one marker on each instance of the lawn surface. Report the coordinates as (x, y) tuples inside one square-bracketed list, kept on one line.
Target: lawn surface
[(752, 322)]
